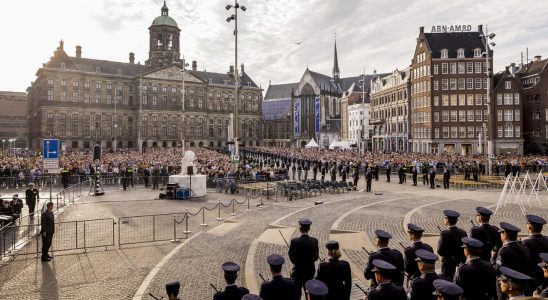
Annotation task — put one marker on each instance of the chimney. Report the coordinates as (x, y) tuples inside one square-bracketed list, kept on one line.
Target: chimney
[(131, 57), (242, 68), (78, 52), (231, 71), (194, 65), (538, 58), (480, 28), (421, 31)]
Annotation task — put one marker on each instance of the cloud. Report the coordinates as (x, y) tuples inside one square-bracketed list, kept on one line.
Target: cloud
[(371, 34)]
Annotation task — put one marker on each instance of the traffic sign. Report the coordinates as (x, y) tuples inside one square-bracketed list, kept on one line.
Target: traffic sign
[(50, 149), (52, 165)]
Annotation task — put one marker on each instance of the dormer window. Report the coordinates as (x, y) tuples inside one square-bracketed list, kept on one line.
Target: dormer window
[(119, 71), (477, 52), (63, 66), (460, 53), (210, 80), (444, 53), (97, 69), (249, 84)]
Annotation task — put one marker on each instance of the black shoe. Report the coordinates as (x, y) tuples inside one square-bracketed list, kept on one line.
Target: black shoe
[(46, 259)]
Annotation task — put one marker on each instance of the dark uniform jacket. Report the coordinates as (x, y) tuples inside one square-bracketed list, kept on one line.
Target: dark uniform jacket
[(515, 256), (279, 288), (391, 256), (478, 280), (30, 196), (490, 237), (303, 253), (411, 266), (231, 292), (450, 249), (422, 287), (387, 290), (337, 276), (48, 223), (537, 244)]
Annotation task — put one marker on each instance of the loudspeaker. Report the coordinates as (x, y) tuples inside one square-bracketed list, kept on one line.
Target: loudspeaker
[(97, 152), (190, 170)]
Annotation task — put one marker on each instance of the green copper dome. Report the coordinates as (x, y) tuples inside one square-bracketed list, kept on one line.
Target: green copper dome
[(164, 20)]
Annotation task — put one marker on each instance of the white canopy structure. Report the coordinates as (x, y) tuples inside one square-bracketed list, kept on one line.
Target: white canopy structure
[(312, 144)]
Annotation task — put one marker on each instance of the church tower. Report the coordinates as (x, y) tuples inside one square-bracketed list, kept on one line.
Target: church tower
[(164, 40), (336, 72)]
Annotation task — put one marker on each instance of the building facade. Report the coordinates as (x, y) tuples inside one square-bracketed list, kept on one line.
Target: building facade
[(389, 111), (126, 104), (508, 118), (13, 120), (534, 79), (449, 88)]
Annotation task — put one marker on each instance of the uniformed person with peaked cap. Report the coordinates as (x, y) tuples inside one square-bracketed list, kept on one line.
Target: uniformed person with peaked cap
[(513, 283), (446, 290), (421, 288), (486, 233), (449, 244), (476, 277), (415, 235), (279, 287), (542, 290), (316, 289), (383, 271), (231, 291), (335, 273), (172, 289), (512, 254), (384, 253), (303, 253), (537, 243)]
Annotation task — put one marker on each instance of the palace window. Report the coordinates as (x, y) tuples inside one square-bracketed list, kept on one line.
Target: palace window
[(460, 53)]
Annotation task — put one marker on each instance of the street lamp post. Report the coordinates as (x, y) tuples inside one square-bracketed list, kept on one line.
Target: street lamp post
[(183, 72), (139, 121), (485, 37), (235, 125), (362, 142), (114, 124)]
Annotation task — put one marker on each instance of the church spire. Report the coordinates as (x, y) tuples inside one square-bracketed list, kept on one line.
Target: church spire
[(336, 71)]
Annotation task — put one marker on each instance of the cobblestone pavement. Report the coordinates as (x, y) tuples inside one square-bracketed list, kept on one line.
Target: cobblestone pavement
[(244, 237)]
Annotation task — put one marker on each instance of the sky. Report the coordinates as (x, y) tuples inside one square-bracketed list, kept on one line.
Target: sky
[(370, 34)]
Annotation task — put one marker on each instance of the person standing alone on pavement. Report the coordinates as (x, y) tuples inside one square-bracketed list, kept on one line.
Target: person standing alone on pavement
[(32, 196), (47, 230)]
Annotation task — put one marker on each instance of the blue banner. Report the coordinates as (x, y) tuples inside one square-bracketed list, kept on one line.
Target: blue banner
[(317, 110), (297, 112)]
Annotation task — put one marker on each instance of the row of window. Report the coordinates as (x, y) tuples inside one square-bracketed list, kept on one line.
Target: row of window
[(461, 100), (400, 111), (507, 99), (477, 67), (444, 53), (508, 131), (401, 95)]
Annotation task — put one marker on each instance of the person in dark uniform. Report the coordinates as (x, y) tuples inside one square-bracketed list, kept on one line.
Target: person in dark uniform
[(383, 271), (335, 273), (537, 243), (400, 174), (368, 180), (172, 290), (303, 253), (424, 174), (415, 174), (393, 256), (47, 230), (356, 176), (432, 177), (315, 171), (65, 177), (316, 290), (231, 291), (32, 197), (512, 283), (421, 287), (279, 287), (146, 176), (388, 171), (486, 233), (322, 171), (376, 172), (450, 243), (446, 290), (411, 268), (446, 177), (512, 254), (542, 290), (476, 277)]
